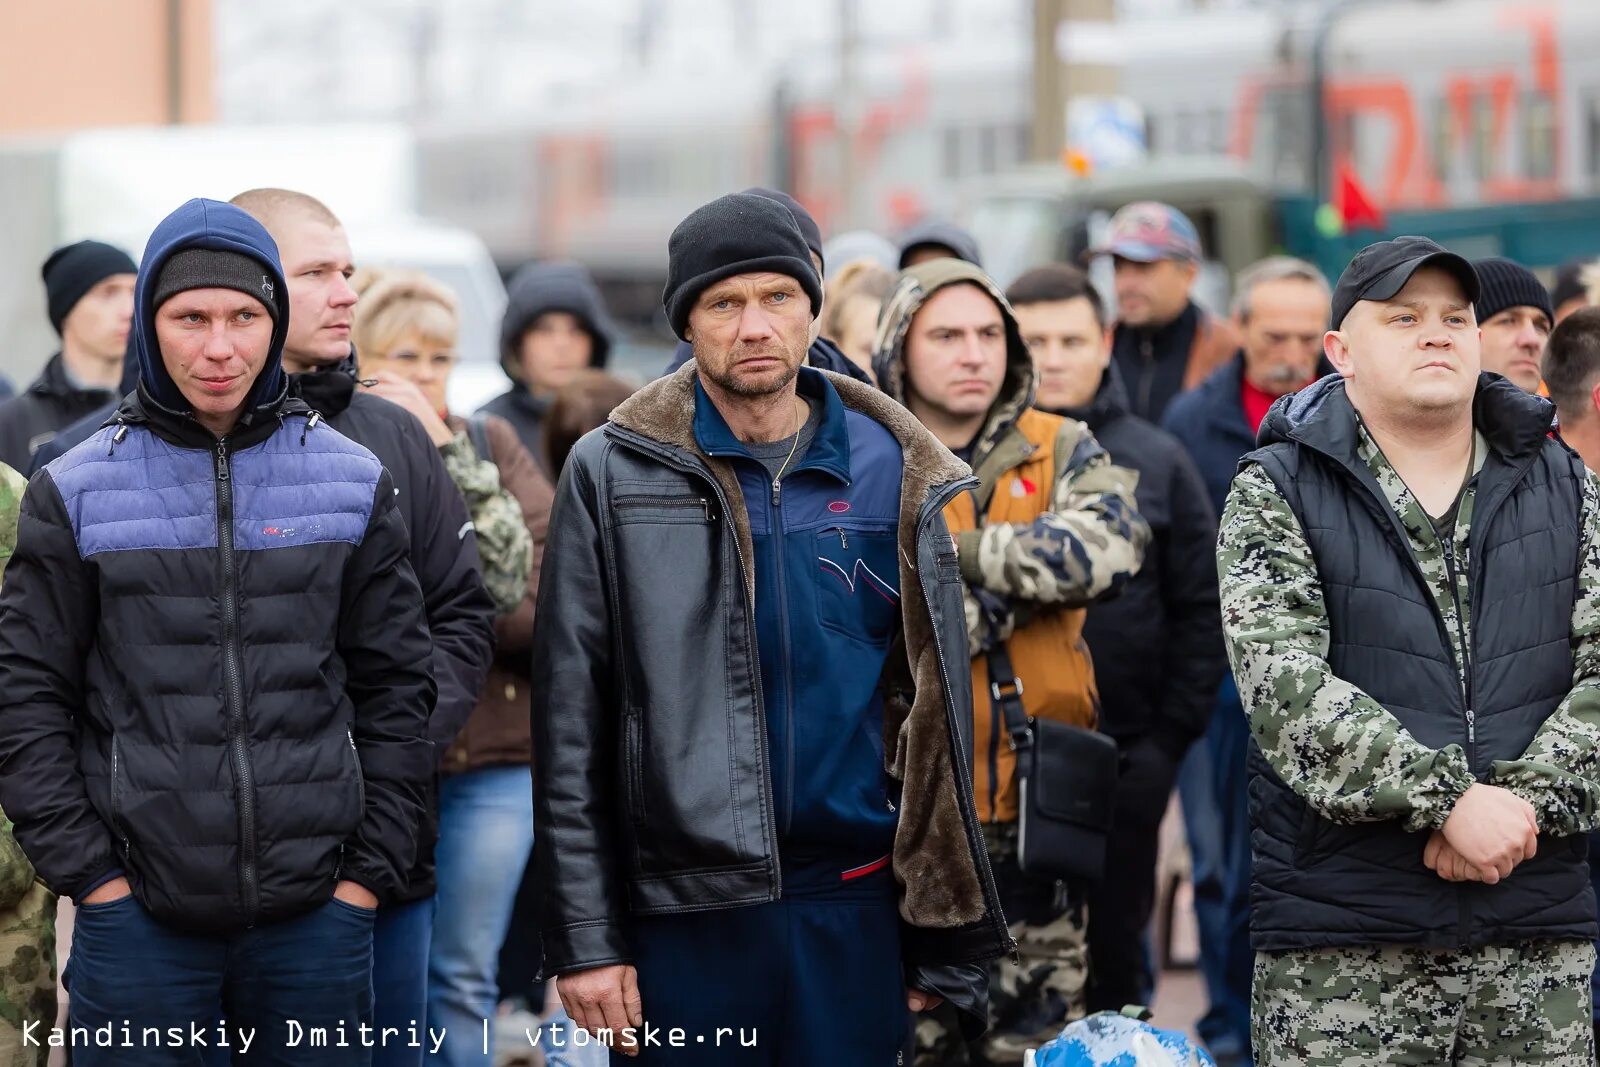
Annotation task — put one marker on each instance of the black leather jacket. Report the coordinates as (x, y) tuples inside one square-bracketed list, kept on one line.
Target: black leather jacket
[(660, 615)]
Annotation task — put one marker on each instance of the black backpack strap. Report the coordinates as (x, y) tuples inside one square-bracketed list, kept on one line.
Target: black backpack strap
[(478, 434)]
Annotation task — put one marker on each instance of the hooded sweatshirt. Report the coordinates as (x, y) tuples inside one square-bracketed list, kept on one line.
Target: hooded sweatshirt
[(223, 689), (1051, 527), (534, 290)]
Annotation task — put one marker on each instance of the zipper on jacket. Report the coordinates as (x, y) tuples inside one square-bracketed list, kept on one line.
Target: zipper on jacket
[(701, 503), (361, 781), (699, 470), (1466, 655), (787, 664), (931, 507), (233, 689), (844, 538)]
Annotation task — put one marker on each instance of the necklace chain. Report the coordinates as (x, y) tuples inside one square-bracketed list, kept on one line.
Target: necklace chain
[(792, 447)]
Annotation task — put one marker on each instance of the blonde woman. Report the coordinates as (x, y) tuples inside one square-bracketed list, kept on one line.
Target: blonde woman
[(405, 335), (850, 310)]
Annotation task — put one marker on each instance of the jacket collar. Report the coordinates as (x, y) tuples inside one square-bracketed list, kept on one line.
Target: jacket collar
[(327, 389), (180, 428), (829, 451), (1320, 416), (54, 381)]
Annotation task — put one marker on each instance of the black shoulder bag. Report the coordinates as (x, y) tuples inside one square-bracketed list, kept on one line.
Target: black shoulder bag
[(1066, 785)]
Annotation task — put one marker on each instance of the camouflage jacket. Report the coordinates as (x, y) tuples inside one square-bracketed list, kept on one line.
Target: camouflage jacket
[(505, 547), (1088, 543), (16, 873), (1085, 547), (1338, 748)]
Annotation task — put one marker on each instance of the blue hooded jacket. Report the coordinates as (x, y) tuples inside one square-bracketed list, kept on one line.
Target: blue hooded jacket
[(225, 228), (245, 601)]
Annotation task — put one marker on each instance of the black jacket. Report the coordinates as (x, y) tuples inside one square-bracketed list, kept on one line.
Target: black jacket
[(75, 433), (51, 403), (1317, 883), (444, 553), (216, 684), (1158, 651), (652, 792)]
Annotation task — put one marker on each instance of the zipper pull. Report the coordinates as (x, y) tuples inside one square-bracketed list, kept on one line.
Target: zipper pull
[(844, 540), (1472, 727), (222, 458), (777, 489), (706, 504)]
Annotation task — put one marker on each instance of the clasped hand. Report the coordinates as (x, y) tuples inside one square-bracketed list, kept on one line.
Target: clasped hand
[(1489, 832)]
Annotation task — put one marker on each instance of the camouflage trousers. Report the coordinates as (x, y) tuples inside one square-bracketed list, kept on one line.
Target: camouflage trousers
[(1030, 998), (27, 975), (1499, 1005)]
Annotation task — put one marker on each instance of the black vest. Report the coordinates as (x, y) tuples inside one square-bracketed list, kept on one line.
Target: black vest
[(1317, 883)]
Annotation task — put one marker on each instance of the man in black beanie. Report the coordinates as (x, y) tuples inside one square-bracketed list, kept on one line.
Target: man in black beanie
[(750, 798), (89, 288), (1516, 318), (823, 354)]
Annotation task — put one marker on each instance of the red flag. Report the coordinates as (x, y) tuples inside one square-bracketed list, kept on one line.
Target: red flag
[(1354, 205)]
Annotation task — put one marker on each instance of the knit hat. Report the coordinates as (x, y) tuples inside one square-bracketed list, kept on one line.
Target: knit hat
[(736, 234), (802, 218), (72, 270), (214, 268), (559, 286), (1505, 283)]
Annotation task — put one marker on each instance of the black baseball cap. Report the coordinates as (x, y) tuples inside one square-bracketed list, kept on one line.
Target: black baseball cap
[(1380, 270)]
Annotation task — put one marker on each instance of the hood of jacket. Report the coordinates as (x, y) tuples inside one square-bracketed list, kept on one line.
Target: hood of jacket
[(541, 287), (916, 285), (1320, 416), (221, 227), (934, 232)]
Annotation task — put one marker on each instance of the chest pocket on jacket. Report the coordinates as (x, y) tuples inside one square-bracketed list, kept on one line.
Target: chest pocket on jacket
[(858, 582)]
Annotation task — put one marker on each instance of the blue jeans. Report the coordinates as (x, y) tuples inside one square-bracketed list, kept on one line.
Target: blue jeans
[(1212, 786), (485, 838), (277, 984), (400, 980)]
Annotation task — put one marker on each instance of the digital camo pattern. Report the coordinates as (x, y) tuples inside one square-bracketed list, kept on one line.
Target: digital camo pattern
[(1342, 751), (1559, 774), (12, 486), (505, 547), (27, 908), (1356, 1007)]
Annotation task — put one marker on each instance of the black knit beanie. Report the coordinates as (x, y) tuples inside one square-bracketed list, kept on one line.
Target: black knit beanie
[(802, 218), (737, 234), (214, 268), (1505, 283), (71, 271)]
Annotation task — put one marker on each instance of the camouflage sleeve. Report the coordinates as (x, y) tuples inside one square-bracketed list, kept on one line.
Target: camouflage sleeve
[(505, 547), (1559, 774), (1085, 547), (1338, 748), (12, 485), (16, 873)]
